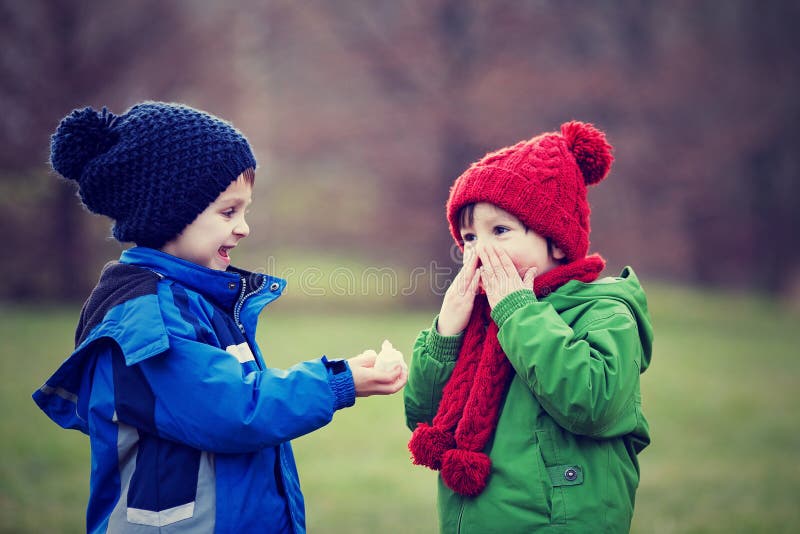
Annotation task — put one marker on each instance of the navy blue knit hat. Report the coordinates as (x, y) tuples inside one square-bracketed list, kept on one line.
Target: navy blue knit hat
[(152, 170)]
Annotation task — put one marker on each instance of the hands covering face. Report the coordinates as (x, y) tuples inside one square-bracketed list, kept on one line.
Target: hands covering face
[(499, 277)]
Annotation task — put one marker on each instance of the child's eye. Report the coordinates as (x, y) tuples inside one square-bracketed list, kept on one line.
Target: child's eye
[(498, 230), (229, 212), (468, 238)]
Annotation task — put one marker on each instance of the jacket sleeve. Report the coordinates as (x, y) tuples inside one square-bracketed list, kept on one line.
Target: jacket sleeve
[(586, 379), (197, 394), (432, 362)]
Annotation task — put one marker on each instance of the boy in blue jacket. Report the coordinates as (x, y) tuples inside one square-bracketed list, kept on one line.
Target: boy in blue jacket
[(189, 429)]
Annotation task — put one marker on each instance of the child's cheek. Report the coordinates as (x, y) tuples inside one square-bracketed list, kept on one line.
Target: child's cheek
[(519, 265)]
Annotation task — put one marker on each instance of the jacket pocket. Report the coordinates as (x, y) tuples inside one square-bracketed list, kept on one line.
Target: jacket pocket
[(560, 477), (163, 483)]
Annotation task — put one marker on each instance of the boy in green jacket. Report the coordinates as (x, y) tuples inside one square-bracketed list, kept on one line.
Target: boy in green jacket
[(524, 394)]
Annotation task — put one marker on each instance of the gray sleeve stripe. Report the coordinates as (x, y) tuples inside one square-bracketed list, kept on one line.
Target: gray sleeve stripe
[(61, 392)]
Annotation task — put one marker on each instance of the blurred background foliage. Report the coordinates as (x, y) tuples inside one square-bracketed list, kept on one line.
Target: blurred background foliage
[(362, 114)]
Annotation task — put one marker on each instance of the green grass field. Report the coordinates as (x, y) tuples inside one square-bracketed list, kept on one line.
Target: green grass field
[(721, 396)]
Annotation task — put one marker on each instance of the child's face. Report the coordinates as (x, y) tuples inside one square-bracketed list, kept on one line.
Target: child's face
[(493, 225), (208, 240)]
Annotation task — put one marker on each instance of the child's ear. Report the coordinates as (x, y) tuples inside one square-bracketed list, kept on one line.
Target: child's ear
[(558, 254)]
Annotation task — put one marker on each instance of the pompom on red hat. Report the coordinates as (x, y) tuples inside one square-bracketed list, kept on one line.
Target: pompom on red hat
[(542, 182)]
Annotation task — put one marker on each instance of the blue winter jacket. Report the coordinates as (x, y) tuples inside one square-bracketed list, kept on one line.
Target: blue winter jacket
[(189, 429)]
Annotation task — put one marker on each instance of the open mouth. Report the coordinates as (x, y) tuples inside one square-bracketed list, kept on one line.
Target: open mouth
[(223, 251)]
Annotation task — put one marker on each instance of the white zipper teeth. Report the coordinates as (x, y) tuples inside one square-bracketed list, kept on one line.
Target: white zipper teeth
[(237, 308), (242, 297)]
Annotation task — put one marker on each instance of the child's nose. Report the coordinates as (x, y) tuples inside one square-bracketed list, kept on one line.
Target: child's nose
[(242, 229)]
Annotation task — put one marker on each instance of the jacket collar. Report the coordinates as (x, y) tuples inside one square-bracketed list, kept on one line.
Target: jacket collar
[(224, 288)]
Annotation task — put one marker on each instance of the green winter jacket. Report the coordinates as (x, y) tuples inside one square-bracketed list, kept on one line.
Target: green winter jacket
[(564, 452)]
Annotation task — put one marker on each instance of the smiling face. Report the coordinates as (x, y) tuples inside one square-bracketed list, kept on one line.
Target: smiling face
[(488, 224), (218, 229)]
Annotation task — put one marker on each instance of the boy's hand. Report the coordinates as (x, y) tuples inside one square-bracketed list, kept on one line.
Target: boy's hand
[(460, 296), (370, 381), (499, 276)]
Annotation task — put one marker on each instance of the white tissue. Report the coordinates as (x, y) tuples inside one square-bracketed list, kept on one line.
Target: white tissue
[(388, 357)]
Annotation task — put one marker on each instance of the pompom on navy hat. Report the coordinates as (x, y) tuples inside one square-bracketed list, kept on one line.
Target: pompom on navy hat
[(153, 169)]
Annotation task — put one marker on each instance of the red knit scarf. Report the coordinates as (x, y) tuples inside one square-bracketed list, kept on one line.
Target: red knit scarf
[(472, 398)]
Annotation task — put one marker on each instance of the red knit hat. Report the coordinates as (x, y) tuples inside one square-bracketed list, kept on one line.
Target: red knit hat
[(542, 182)]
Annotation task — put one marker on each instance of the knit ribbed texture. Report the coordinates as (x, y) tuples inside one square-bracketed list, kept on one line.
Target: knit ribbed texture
[(344, 389), (511, 303), (542, 182), (442, 348), (153, 169)]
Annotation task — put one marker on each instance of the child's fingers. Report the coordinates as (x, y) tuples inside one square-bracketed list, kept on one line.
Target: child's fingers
[(470, 255), (487, 278), (470, 263), (472, 289), (399, 381), (530, 275), (370, 381), (471, 274), (486, 264), (464, 277), (506, 263), (390, 381), (494, 267), (365, 359)]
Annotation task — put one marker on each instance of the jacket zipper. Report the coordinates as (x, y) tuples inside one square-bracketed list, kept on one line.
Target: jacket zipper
[(243, 296)]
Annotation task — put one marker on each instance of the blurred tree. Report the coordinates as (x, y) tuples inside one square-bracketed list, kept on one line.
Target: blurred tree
[(442, 83), (681, 88), (731, 125), (57, 55), (427, 71), (362, 115)]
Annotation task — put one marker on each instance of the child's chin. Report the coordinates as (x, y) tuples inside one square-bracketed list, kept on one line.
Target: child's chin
[(219, 264)]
